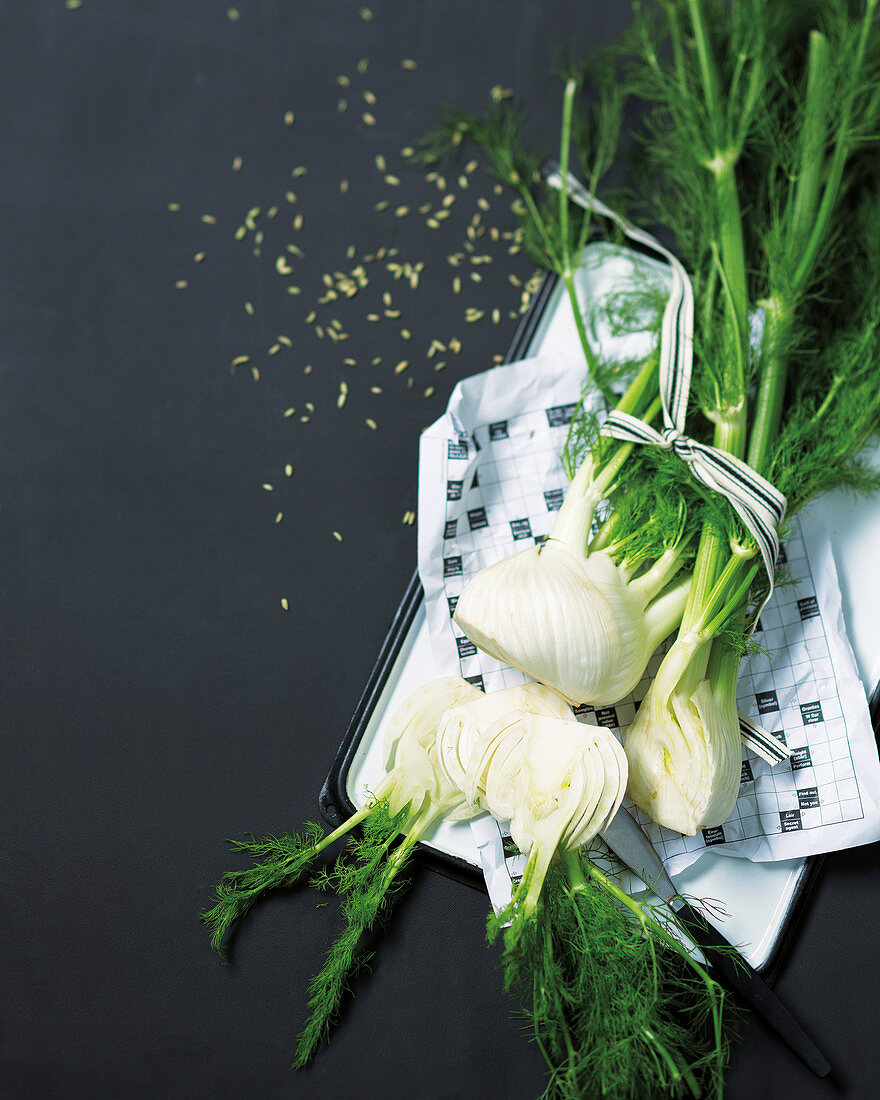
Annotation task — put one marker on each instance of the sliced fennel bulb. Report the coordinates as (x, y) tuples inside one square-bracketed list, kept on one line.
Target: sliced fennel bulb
[(570, 615), (556, 781), (461, 727)]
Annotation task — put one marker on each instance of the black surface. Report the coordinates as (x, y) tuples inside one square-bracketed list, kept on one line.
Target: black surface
[(156, 698)]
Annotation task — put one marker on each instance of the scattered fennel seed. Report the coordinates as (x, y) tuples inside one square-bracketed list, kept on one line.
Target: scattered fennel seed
[(380, 163), (289, 118), (392, 181), (288, 413), (304, 419), (274, 349), (298, 222), (173, 207), (199, 257), (292, 289), (290, 196), (350, 363), (401, 211), (429, 391), (285, 605), (496, 316), (376, 360), (373, 317), (240, 360), (209, 219), (366, 15), (401, 366), (236, 164), (233, 14), (300, 170), (286, 341), (272, 212), (408, 63), (240, 233), (73, 5), (439, 366), (307, 369), (310, 316), (342, 106), (371, 424), (337, 536), (310, 407), (343, 81), (363, 65), (282, 266), (343, 186), (405, 334), (255, 371), (375, 389), (279, 516), (181, 284), (370, 98), (368, 118), (409, 518)]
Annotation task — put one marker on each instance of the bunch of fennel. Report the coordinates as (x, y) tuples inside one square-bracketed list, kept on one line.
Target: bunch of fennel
[(771, 110)]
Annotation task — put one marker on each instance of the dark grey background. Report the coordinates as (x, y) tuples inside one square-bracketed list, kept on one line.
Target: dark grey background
[(156, 699)]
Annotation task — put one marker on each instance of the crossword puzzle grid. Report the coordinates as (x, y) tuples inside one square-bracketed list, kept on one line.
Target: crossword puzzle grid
[(504, 484)]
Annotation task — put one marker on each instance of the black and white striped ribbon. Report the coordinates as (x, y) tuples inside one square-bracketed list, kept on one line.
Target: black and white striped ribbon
[(759, 505)]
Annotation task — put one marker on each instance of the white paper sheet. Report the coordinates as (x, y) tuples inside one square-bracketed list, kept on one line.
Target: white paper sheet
[(490, 481)]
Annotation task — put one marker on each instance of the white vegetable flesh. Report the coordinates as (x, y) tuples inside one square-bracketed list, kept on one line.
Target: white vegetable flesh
[(574, 620), (461, 726), (410, 748), (557, 782), (684, 746)]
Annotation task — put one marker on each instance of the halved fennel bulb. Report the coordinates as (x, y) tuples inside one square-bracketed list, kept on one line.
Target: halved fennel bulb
[(684, 746), (462, 725), (570, 617), (410, 748), (557, 782)]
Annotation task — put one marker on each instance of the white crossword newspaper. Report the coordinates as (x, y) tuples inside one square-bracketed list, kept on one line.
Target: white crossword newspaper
[(490, 482)]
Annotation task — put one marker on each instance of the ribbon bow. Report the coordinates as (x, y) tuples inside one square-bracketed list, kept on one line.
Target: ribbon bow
[(759, 505)]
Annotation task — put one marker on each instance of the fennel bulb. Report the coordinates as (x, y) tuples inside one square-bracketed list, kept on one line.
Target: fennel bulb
[(462, 725), (571, 615), (556, 781), (684, 746)]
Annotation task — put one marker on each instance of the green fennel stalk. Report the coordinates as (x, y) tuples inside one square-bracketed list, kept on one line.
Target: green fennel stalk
[(616, 1005)]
